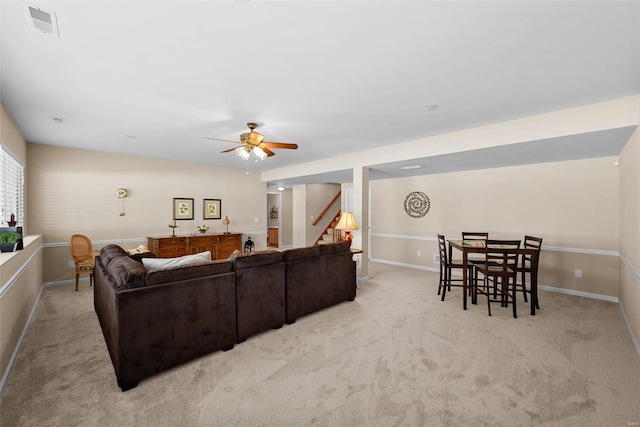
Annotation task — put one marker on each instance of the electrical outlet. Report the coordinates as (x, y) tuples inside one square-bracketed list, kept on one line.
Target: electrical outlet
[(579, 274), (419, 253), (256, 219), (436, 259), (71, 264)]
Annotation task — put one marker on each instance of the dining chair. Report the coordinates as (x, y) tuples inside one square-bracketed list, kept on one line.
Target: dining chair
[(499, 269), (472, 235), (527, 264), (83, 256), (447, 265)]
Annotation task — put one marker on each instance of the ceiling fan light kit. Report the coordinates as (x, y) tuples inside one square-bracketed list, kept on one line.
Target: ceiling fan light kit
[(243, 152), (260, 153)]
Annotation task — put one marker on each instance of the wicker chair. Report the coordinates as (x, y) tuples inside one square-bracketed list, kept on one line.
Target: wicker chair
[(83, 256)]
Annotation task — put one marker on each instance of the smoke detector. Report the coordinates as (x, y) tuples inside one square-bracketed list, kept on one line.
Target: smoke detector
[(42, 20)]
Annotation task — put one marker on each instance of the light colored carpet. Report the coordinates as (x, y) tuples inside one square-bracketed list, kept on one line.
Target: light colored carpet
[(396, 356)]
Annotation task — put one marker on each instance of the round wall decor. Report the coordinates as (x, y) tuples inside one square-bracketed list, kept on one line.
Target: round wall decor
[(417, 204)]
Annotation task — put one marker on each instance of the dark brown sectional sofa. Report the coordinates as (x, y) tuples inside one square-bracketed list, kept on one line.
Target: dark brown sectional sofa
[(153, 320)]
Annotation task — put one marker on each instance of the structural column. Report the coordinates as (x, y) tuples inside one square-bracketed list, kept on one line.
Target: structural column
[(299, 216), (361, 213)]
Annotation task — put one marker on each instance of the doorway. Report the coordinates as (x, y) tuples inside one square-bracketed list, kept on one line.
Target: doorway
[(274, 209)]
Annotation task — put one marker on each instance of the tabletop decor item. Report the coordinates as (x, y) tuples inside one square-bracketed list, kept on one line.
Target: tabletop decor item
[(249, 246), (173, 226), (346, 223), (417, 204), (203, 228)]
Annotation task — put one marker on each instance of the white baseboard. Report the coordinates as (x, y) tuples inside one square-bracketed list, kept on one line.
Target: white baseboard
[(66, 282), (633, 338)]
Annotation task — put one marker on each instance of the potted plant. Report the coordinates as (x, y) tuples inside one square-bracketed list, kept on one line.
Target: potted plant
[(9, 241)]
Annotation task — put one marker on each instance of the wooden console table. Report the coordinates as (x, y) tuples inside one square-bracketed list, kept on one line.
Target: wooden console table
[(220, 245)]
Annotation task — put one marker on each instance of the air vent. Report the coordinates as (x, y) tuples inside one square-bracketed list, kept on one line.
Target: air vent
[(42, 20)]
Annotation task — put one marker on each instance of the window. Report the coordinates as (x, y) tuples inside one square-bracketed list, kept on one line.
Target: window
[(11, 189)]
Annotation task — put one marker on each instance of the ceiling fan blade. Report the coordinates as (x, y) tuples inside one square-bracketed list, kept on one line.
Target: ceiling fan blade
[(266, 150), (281, 145), (223, 140), (229, 150)]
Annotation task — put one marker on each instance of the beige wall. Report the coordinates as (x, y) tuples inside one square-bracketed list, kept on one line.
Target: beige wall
[(11, 137), (630, 234), (74, 191), (12, 140), (572, 205), (21, 271)]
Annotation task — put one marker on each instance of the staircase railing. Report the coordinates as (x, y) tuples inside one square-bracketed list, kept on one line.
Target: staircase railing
[(336, 233), (319, 217)]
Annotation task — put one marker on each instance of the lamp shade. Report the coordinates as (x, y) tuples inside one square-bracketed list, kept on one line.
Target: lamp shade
[(243, 152), (261, 154), (346, 222)]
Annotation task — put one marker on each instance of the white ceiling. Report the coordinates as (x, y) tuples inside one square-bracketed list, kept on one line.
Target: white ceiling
[(333, 77)]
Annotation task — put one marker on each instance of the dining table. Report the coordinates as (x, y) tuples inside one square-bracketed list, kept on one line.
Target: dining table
[(478, 246)]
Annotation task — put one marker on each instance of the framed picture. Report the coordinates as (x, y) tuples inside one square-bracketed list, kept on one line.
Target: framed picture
[(182, 208), (212, 209)]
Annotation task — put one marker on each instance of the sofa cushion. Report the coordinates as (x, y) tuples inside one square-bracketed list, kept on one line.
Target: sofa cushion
[(156, 263), (256, 259), (111, 252), (126, 273), (186, 272), (301, 253), (333, 248)]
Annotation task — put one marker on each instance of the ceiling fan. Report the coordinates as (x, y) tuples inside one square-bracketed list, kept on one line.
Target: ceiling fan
[(254, 142)]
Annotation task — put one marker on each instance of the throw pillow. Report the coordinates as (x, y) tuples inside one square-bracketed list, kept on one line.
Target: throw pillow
[(157, 263), (139, 250)]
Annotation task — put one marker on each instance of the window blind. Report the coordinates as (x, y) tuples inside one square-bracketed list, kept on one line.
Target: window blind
[(11, 188)]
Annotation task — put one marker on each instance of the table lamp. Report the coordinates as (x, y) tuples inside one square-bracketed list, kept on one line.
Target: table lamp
[(226, 222), (346, 223)]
